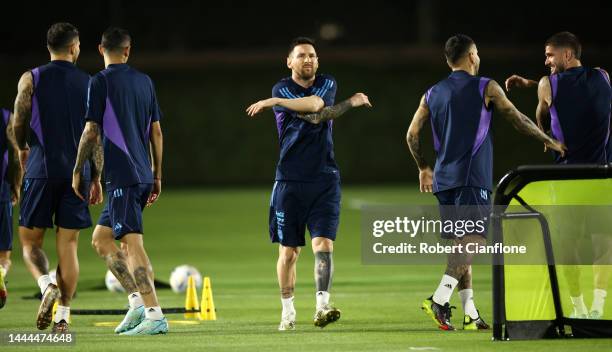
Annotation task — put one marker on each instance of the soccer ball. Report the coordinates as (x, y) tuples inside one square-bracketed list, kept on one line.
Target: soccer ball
[(180, 277), (111, 282), (53, 276)]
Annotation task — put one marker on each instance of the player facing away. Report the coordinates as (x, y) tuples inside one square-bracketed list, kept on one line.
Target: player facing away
[(122, 109), (574, 104), (48, 121), (307, 188), (10, 182), (459, 109)]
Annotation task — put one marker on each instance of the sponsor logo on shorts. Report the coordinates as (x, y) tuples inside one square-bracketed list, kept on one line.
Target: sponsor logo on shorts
[(118, 193), (484, 194), (280, 223), (117, 227)]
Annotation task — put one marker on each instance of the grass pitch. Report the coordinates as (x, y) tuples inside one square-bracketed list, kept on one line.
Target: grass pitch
[(224, 234)]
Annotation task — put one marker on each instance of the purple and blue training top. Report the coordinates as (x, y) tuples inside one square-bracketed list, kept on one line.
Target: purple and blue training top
[(580, 115), (461, 121), (57, 121), (122, 101), (306, 149)]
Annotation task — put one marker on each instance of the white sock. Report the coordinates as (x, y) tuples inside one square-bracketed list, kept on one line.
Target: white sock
[(445, 289), (135, 300), (579, 306), (153, 313), (599, 297), (322, 298), (467, 301), (43, 282), (288, 308), (3, 271), (62, 313)]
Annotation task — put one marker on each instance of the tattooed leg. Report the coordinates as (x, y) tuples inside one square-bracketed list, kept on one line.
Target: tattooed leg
[(116, 261), (143, 271), (324, 270), (286, 269), (33, 254)]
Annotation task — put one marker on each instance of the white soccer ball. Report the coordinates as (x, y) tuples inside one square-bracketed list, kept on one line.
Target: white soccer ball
[(112, 284), (53, 276), (180, 277)]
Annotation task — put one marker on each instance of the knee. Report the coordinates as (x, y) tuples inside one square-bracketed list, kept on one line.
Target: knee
[(288, 256), (322, 244), (100, 245)]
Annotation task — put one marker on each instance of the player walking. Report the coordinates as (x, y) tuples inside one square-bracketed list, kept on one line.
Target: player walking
[(122, 108), (48, 121), (307, 188), (460, 108)]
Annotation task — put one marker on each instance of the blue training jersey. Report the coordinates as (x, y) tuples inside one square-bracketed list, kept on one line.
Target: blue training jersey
[(4, 182), (460, 121), (122, 101), (580, 115), (306, 149), (57, 122)]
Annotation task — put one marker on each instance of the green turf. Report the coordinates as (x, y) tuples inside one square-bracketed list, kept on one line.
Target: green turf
[(224, 234)]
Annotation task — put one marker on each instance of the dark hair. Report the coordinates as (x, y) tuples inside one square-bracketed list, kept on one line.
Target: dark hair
[(299, 41), (566, 40), (114, 39), (457, 47), (60, 36)]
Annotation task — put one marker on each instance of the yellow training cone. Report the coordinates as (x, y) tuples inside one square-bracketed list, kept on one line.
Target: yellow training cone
[(208, 306), (191, 300)]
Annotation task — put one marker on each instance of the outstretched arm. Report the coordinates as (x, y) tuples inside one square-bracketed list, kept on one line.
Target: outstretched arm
[(332, 112), (90, 148), (23, 113), (311, 103), (516, 81), (157, 147), (421, 116), (495, 95)]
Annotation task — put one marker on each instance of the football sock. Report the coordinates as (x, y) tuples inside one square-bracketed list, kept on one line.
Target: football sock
[(579, 306), (62, 313), (467, 301), (153, 313), (135, 300), (445, 289), (599, 297), (43, 282), (287, 306), (3, 271), (324, 270), (322, 298)]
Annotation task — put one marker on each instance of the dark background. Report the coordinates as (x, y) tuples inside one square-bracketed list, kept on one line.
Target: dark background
[(210, 60)]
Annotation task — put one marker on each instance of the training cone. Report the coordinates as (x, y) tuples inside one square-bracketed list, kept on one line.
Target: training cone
[(208, 311), (191, 300)]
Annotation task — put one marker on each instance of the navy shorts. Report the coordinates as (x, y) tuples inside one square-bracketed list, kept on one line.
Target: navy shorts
[(465, 206), (297, 205), (123, 209), (6, 226), (45, 199)]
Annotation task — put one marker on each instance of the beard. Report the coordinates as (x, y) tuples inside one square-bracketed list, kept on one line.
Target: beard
[(307, 73)]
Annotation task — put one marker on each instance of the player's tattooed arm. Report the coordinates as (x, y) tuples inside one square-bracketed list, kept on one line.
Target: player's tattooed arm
[(421, 116), (157, 148), (333, 112), (495, 95), (516, 81), (15, 172), (90, 148), (23, 109)]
